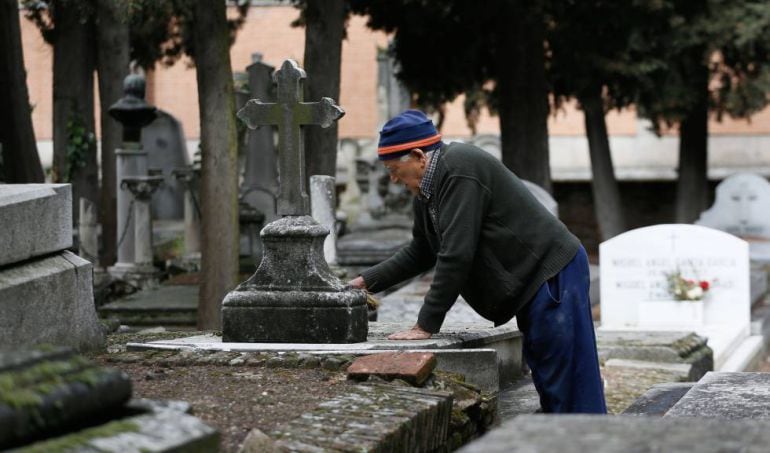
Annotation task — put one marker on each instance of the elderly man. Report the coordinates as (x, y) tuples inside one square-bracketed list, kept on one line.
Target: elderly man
[(493, 243)]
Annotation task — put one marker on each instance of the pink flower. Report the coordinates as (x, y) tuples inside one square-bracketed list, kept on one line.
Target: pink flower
[(704, 285)]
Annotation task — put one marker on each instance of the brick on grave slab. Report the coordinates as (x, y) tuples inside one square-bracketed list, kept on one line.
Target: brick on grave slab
[(413, 367)]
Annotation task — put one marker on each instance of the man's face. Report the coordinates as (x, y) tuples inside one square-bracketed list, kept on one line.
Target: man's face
[(408, 170)]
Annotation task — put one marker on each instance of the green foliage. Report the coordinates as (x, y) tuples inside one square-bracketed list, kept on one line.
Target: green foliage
[(80, 143), (713, 48), (443, 49), (161, 30), (43, 12)]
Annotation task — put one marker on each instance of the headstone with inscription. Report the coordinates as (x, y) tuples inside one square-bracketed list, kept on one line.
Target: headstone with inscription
[(646, 273), (293, 296)]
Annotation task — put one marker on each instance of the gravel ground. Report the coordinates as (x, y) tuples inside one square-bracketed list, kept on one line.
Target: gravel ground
[(231, 399), (235, 399)]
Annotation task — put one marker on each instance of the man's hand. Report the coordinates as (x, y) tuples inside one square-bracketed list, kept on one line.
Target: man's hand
[(358, 283), (415, 333)]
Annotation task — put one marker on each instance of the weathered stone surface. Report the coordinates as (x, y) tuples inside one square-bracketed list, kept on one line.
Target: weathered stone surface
[(49, 300), (671, 347), (289, 114), (323, 202), (519, 399), (165, 305), (166, 148), (602, 434), (677, 371), (161, 430), (413, 367), (727, 396), (48, 391), (35, 220), (374, 418), (658, 399), (294, 296)]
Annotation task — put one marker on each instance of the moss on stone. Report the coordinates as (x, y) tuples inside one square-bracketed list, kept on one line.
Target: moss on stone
[(73, 442)]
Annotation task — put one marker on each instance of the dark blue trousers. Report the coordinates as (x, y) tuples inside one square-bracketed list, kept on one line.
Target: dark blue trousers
[(560, 343)]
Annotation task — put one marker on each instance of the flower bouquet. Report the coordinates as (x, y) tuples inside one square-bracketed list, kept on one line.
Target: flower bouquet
[(686, 289)]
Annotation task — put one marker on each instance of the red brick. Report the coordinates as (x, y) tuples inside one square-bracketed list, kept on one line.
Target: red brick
[(413, 367)]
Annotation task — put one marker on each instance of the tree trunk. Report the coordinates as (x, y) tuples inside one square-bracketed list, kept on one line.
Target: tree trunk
[(692, 187), (112, 65), (607, 204), (523, 97), (219, 187), (74, 145), (20, 162), (324, 29)]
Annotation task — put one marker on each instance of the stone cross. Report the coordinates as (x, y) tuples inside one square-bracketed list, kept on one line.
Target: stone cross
[(290, 114)]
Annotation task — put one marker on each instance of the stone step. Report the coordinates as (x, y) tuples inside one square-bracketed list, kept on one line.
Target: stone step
[(603, 434), (664, 347), (49, 300), (726, 395), (50, 392), (374, 418), (166, 305)]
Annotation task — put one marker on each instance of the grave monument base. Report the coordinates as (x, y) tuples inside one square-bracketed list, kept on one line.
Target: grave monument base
[(294, 296), (312, 317)]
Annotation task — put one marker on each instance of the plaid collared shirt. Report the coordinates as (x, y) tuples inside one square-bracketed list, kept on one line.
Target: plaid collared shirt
[(426, 186)]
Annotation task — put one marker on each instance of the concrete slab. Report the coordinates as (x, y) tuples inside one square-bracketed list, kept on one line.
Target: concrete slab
[(35, 220), (173, 305), (727, 396), (602, 434), (659, 399), (489, 357), (663, 347)]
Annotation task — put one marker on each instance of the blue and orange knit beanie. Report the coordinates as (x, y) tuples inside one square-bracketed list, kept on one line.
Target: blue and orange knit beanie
[(410, 129)]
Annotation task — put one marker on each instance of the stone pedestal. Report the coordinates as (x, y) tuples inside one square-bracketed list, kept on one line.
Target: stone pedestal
[(293, 296), (189, 178), (131, 160), (142, 188)]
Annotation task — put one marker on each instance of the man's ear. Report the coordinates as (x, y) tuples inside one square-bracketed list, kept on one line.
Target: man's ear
[(417, 153)]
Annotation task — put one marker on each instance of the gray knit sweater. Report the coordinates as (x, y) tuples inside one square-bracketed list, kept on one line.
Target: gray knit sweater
[(494, 243)]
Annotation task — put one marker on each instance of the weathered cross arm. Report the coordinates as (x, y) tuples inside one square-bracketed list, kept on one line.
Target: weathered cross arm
[(257, 113)]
